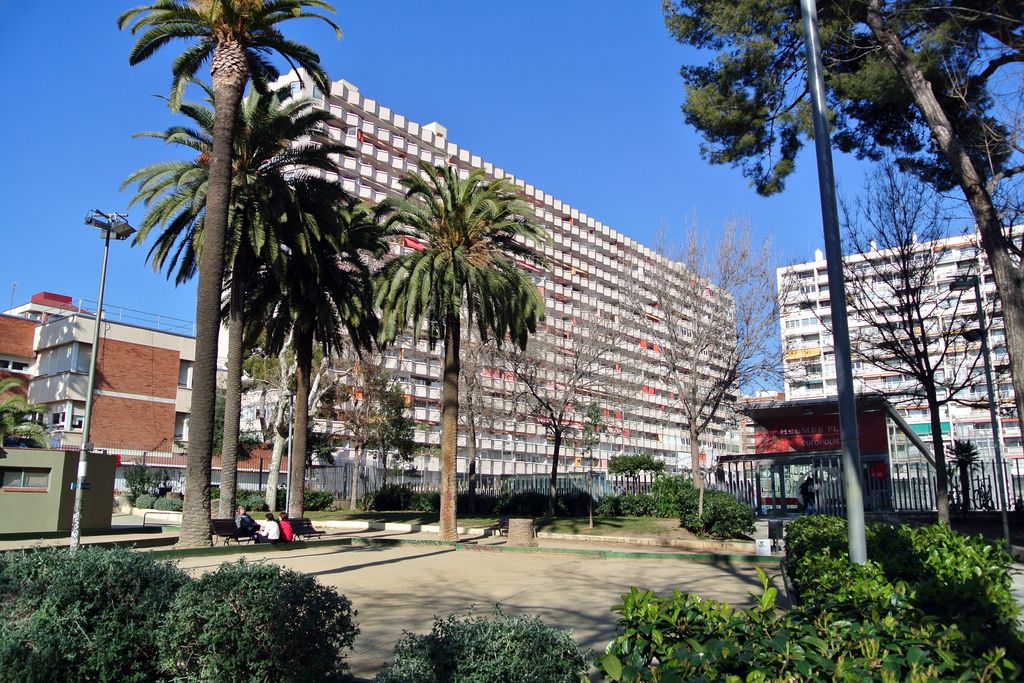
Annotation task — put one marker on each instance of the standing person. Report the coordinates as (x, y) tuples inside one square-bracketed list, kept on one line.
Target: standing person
[(246, 525), (270, 531), (287, 534), (807, 493)]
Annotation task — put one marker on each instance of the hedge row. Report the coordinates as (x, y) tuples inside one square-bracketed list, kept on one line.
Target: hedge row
[(916, 573), (671, 496), (118, 615), (929, 605)]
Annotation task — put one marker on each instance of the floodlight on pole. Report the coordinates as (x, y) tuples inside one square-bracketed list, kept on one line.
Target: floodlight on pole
[(110, 225), (968, 282)]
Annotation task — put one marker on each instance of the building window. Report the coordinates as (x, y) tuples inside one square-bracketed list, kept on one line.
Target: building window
[(185, 374), (57, 418), (18, 366), (181, 426), (32, 479)]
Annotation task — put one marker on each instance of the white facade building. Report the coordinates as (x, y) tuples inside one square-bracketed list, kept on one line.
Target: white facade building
[(809, 359), (584, 290)]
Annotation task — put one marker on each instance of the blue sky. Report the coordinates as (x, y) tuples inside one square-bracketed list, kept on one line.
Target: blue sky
[(579, 98)]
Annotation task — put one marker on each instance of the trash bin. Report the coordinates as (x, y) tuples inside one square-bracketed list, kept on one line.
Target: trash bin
[(776, 529), (764, 547)]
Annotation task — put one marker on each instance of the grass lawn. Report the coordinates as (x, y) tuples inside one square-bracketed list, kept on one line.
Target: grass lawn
[(603, 526)]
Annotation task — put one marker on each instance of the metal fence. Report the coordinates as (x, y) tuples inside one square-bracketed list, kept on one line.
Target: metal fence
[(904, 487)]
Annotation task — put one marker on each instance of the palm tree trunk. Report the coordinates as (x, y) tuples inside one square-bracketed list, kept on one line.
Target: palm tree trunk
[(297, 463), (232, 392), (450, 428), (965, 488), (553, 488), (229, 74)]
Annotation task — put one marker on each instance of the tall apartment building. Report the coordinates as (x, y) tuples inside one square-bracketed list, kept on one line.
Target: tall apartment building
[(595, 274), (809, 359)]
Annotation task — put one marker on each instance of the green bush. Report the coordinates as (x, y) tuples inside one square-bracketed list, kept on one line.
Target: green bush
[(214, 493), (168, 504), (608, 506), (252, 500), (257, 622), (636, 505), (425, 502), (668, 492), (525, 503), (474, 649), (914, 573), (145, 501), (87, 616), (390, 497), (684, 637), (139, 480), (314, 501), (724, 517)]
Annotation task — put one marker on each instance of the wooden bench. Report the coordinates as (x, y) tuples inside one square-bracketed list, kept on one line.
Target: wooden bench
[(502, 527), (225, 529), (302, 526)]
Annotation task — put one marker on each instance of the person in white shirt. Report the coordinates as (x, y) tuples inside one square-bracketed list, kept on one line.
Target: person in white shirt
[(270, 531)]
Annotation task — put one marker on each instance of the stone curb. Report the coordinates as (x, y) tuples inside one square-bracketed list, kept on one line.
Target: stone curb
[(685, 544)]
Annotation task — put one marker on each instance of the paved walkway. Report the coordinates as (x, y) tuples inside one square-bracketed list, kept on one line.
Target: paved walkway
[(401, 588)]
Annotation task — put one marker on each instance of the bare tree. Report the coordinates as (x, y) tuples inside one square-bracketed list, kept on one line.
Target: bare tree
[(480, 404), (714, 325), (362, 381), (905, 320), (562, 373)]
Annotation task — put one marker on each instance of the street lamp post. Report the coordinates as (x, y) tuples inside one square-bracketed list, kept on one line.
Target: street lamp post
[(961, 284), (116, 225)]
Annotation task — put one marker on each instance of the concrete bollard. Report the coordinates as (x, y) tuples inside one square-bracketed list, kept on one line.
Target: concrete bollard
[(520, 533)]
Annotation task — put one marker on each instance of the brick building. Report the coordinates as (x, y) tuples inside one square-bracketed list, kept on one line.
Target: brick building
[(143, 376)]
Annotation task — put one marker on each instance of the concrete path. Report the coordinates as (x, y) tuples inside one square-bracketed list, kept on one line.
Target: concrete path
[(401, 588)]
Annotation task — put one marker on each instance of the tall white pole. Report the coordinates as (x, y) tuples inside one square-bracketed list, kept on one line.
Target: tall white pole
[(86, 447), (291, 467), (849, 441)]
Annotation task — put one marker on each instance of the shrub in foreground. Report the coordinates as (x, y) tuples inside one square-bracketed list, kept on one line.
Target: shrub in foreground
[(475, 649), (914, 572), (248, 622), (686, 638), (91, 616)]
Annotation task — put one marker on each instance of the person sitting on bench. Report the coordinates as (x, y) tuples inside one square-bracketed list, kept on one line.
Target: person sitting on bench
[(270, 531), (287, 533), (247, 526)]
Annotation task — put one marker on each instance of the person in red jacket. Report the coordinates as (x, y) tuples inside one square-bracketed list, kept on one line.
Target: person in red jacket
[(286, 527)]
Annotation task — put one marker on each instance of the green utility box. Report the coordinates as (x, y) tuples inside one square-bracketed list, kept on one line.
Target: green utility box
[(36, 491)]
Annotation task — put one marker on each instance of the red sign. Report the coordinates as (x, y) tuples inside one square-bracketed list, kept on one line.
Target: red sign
[(816, 433)]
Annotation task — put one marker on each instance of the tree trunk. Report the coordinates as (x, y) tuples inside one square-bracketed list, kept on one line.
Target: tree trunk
[(450, 428), (941, 479), (297, 463), (280, 428), (553, 488), (229, 74), (471, 502), (698, 480), (232, 391), (1007, 275), (357, 459)]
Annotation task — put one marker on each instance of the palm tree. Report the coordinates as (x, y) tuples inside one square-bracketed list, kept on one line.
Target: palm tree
[(267, 150), (472, 231), (965, 458), (234, 36), (14, 413), (321, 294)]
